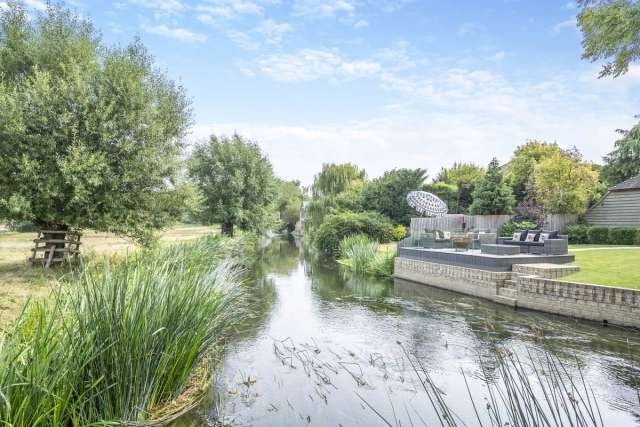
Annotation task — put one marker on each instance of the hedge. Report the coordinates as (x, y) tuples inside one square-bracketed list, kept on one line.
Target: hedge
[(581, 233), (338, 226)]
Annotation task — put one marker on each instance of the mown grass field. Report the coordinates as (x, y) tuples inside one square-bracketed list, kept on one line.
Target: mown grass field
[(19, 281), (608, 266)]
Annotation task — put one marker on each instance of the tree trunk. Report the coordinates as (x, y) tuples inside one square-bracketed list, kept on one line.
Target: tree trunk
[(227, 229)]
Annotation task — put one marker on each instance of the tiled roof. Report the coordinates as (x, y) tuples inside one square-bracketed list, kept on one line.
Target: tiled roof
[(630, 184)]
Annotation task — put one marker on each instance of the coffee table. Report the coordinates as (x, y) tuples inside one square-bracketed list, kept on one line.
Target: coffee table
[(494, 249)]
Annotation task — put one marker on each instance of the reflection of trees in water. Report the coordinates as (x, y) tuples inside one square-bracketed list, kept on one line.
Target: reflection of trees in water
[(495, 327), (279, 257)]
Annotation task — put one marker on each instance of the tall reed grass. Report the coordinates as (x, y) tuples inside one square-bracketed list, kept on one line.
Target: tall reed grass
[(537, 391), (120, 340), (361, 255)]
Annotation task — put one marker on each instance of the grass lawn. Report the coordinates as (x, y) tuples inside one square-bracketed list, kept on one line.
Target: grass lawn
[(589, 246), (19, 280), (611, 267)]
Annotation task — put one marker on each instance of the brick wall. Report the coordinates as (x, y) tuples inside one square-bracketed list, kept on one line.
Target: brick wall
[(468, 281), (592, 302), (615, 305)]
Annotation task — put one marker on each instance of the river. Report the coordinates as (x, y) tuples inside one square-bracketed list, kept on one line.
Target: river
[(330, 349)]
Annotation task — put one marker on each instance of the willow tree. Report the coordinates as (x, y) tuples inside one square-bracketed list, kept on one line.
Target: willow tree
[(89, 134), (237, 183)]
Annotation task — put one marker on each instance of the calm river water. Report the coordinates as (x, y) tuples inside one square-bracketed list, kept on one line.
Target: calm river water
[(326, 349)]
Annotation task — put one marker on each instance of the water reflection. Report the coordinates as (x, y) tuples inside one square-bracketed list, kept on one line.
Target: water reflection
[(322, 343)]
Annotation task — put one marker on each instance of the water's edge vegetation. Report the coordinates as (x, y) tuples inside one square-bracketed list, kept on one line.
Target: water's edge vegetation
[(125, 340)]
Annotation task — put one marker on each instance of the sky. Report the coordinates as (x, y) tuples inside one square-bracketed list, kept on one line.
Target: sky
[(381, 83)]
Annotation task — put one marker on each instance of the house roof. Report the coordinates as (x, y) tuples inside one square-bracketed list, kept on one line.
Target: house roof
[(630, 184)]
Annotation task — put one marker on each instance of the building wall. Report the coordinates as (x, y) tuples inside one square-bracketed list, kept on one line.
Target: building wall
[(617, 209)]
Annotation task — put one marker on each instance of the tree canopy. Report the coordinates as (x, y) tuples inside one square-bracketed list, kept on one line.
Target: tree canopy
[(611, 31), (388, 194), (464, 177), (519, 170), (335, 178), (236, 181), (288, 202), (492, 196), (624, 161), (564, 185), (89, 134)]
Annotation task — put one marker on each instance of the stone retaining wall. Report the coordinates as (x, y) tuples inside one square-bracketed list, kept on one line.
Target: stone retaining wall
[(468, 281), (592, 302)]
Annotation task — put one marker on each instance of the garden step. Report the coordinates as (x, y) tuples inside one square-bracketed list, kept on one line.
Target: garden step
[(508, 292), (511, 302)]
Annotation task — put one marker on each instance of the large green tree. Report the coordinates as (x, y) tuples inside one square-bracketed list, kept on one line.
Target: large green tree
[(564, 184), (624, 161), (519, 171), (236, 181), (492, 196), (335, 178), (388, 193), (611, 31), (89, 134), (288, 202), (464, 177)]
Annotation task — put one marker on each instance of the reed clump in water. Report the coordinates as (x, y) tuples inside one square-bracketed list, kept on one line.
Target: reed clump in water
[(360, 254), (118, 341)]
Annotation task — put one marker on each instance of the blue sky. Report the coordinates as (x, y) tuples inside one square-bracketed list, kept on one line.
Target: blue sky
[(382, 83)]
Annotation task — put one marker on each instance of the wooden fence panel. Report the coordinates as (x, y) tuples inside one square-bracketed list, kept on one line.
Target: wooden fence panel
[(491, 223), (559, 221)]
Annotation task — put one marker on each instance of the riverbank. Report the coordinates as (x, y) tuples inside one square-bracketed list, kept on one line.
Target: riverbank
[(19, 281), (127, 340)]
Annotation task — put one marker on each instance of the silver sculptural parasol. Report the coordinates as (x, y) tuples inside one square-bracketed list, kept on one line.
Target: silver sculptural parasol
[(426, 203)]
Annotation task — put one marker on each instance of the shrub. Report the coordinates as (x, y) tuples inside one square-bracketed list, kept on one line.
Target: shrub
[(599, 235), (23, 226), (510, 227), (123, 339), (399, 232), (622, 235), (337, 226), (578, 233), (359, 251)]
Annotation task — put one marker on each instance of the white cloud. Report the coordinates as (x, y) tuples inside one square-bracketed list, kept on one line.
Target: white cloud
[(162, 7), (313, 64), (468, 29), (323, 8), (228, 9), (498, 56), (3, 5), (36, 4), (181, 34), (360, 24), (566, 24), (273, 31)]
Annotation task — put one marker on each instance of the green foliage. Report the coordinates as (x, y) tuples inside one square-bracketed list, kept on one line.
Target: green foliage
[(564, 185), (622, 235), (491, 195), (448, 193), (288, 203), (463, 177), (598, 235), (519, 171), (578, 233), (337, 226), (399, 232), (359, 250), (388, 194), (335, 178), (511, 227), (236, 181), (89, 134), (624, 161), (610, 31), (360, 254), (122, 338)]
